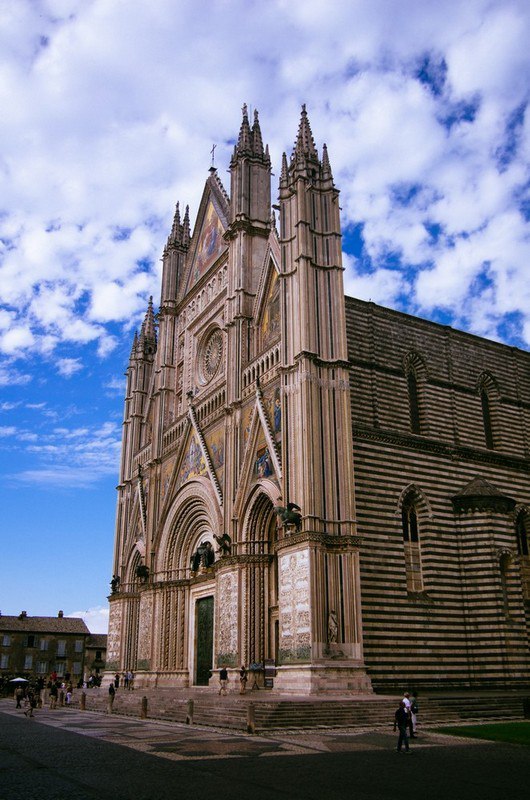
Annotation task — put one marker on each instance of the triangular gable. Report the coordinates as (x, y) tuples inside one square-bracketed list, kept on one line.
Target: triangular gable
[(192, 463), (207, 244), (259, 458)]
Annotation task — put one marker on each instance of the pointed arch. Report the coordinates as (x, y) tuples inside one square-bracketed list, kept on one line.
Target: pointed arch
[(193, 518), (413, 508), (488, 391), (416, 375)]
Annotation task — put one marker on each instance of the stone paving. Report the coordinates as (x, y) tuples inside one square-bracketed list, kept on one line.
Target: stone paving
[(70, 754), (180, 742)]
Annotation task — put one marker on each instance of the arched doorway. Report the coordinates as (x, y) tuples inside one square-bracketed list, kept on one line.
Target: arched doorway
[(260, 534)]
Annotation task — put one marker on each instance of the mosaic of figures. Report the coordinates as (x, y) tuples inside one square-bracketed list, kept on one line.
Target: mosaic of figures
[(215, 442), (270, 321), (210, 246), (193, 464)]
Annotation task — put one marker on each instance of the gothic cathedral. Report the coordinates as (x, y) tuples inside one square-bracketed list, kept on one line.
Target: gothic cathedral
[(330, 491)]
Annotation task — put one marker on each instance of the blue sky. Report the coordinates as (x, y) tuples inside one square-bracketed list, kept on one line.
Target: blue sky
[(110, 109)]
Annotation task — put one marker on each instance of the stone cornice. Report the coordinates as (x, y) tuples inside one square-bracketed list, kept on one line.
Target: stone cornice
[(449, 451)]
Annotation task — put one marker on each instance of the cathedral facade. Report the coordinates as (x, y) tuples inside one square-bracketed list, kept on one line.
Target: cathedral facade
[(328, 490)]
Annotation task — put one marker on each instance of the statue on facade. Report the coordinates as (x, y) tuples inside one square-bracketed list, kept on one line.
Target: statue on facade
[(115, 584), (202, 558), (225, 544), (333, 627), (289, 515), (142, 572)]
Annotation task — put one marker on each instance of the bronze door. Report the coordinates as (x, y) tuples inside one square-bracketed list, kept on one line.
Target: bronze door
[(204, 639)]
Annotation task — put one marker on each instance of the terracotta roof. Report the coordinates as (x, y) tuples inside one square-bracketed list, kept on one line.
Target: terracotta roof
[(97, 640), (44, 625), (479, 487)]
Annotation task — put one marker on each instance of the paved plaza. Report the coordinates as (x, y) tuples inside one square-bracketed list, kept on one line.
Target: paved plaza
[(66, 754)]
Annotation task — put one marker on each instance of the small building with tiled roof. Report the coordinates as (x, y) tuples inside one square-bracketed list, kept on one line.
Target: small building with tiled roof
[(36, 647), (95, 654)]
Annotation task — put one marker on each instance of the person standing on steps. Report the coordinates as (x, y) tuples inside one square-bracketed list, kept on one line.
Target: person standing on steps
[(401, 720)]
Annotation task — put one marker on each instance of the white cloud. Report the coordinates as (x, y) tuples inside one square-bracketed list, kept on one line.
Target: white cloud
[(68, 366), (96, 618), (99, 144)]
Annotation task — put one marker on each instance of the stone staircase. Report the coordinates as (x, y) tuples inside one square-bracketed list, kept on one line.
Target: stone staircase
[(263, 712)]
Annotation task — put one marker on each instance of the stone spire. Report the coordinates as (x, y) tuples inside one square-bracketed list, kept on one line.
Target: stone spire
[(244, 142), (186, 231), (304, 147), (134, 348), (326, 166), (257, 141), (147, 338)]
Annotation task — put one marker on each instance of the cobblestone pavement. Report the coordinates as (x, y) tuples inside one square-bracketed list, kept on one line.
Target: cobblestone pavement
[(68, 754)]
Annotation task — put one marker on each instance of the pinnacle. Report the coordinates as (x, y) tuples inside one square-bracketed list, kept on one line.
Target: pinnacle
[(305, 144), (186, 232), (326, 166), (250, 141), (148, 330), (257, 141), (244, 142)]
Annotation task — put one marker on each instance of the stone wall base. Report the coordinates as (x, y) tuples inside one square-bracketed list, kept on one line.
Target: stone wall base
[(323, 678)]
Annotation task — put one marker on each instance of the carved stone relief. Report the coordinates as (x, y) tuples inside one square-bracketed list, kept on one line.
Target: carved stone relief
[(294, 597), (227, 620), (115, 625)]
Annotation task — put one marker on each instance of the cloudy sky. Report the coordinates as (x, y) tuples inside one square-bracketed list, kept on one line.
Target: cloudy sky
[(109, 112)]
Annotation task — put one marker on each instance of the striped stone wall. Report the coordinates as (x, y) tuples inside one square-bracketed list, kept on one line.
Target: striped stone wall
[(468, 624)]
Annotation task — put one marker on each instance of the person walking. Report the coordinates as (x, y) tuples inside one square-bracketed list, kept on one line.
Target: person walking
[(243, 677), (19, 694), (54, 694), (401, 720), (223, 680), (413, 716)]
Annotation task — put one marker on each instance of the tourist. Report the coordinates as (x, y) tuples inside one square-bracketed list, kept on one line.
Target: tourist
[(19, 694), (413, 715), (243, 677), (401, 719), (223, 680), (54, 694)]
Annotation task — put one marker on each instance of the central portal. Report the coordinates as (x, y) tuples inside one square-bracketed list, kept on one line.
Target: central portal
[(204, 640)]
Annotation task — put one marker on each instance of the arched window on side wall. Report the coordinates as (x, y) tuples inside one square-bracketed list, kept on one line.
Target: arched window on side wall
[(488, 391), (486, 418), (522, 534), (411, 544), (416, 376), (414, 403)]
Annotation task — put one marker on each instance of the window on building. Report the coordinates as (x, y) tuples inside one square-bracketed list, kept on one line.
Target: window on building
[(4, 661), (28, 662), (416, 377), (411, 543), (414, 403), (42, 667), (76, 668), (43, 644), (59, 669), (6, 640), (61, 647), (29, 641), (98, 655), (486, 418), (504, 567), (522, 535), (78, 645), (521, 530)]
